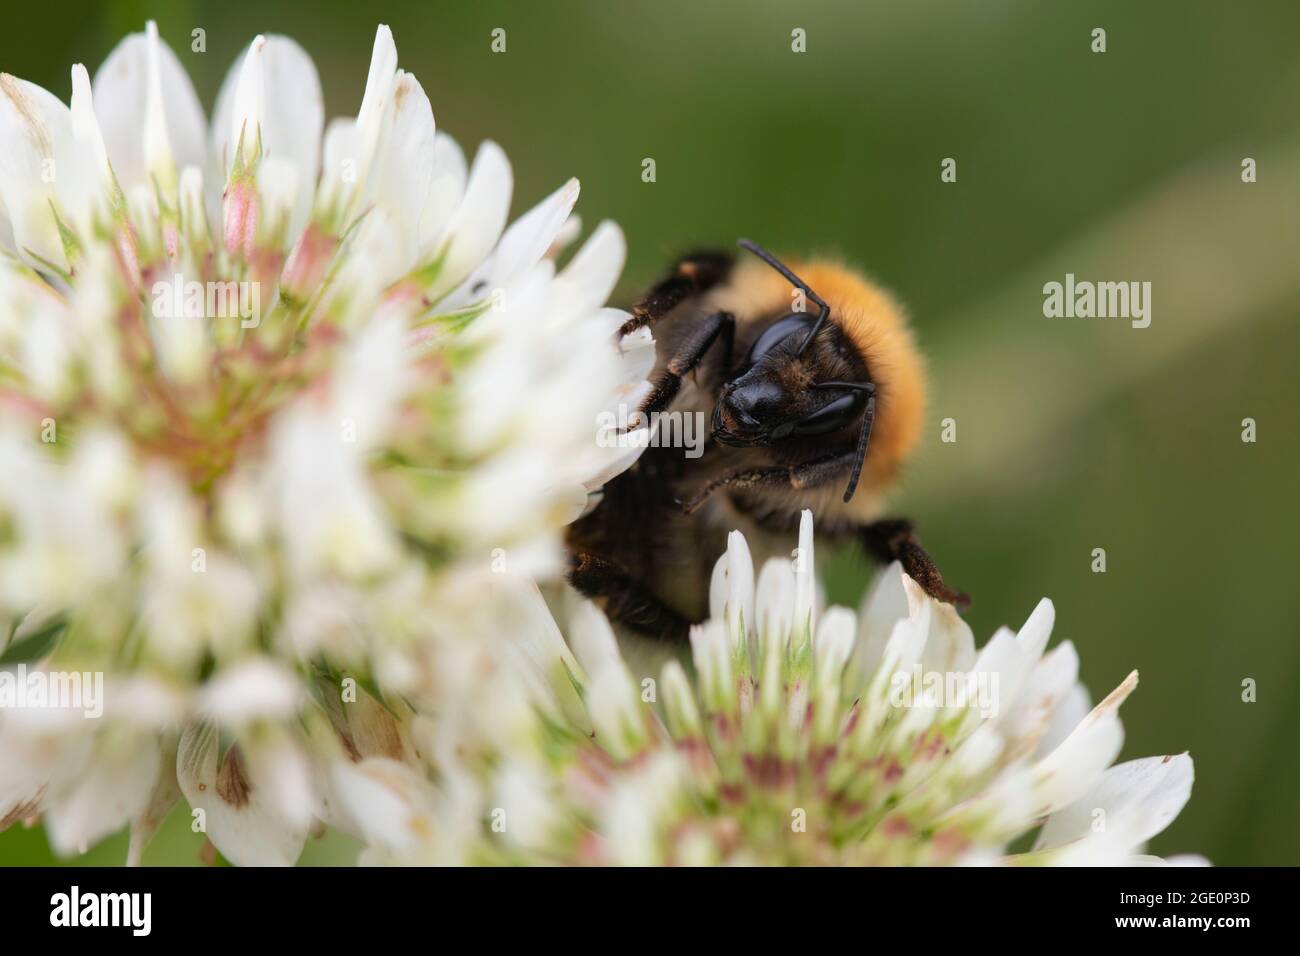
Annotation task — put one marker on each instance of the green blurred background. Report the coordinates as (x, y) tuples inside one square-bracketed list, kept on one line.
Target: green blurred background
[(1072, 434)]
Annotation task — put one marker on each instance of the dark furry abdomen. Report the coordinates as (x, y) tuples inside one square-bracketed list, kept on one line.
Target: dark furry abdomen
[(639, 525)]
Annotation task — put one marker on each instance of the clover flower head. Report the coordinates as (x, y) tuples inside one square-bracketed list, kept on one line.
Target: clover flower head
[(799, 736), (276, 397)]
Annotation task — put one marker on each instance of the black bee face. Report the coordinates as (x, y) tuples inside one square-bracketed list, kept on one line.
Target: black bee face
[(752, 409), (777, 396)]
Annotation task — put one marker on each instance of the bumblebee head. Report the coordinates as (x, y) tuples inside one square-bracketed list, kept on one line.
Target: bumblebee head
[(780, 392), (775, 396)]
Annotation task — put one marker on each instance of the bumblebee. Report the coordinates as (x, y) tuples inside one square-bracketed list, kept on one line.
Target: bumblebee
[(814, 394)]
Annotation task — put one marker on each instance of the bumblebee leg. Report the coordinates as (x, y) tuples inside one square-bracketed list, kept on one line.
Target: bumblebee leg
[(720, 325), (894, 539), (887, 540), (808, 474), (693, 274), (626, 600)]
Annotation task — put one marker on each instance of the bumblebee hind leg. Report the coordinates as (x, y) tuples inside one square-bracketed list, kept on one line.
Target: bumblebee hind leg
[(894, 539), (626, 600)]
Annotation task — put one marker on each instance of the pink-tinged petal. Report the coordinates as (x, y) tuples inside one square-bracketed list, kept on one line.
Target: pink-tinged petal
[(273, 92)]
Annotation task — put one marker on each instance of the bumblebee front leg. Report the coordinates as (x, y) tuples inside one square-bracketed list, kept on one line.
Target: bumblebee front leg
[(809, 474), (693, 274), (626, 600), (894, 539), (719, 326)]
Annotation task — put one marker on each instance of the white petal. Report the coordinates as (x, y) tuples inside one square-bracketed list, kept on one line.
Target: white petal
[(618, 461), (380, 82), (1179, 859), (616, 710), (253, 688), (1077, 764), (108, 791), (36, 152), (1013, 659), (883, 607), (718, 590), (404, 167), (96, 178), (907, 642), (835, 636), (1037, 630), (950, 646), (637, 810), (450, 173), (166, 791), (521, 247), (6, 230), (278, 767), (590, 276), (273, 90), (327, 511), (373, 378), (339, 151), (832, 647), (592, 639), (740, 586), (1052, 679), (805, 575), (383, 801), (711, 653), (679, 702), (477, 223), (143, 78), (530, 623), (1073, 707), (238, 819), (240, 107), (775, 602), (531, 814), (1138, 798)]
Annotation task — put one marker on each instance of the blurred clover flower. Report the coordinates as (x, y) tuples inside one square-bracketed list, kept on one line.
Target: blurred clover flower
[(787, 746), (275, 399)]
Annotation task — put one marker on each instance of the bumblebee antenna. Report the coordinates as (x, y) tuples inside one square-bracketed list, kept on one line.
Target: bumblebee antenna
[(795, 281), (864, 436)]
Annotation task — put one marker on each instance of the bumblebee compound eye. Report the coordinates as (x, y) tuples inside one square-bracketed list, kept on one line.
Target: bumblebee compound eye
[(791, 328), (824, 310), (867, 389), (834, 415)]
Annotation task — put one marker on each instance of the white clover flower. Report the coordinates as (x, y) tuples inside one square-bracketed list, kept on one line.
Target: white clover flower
[(277, 399), (796, 742)]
